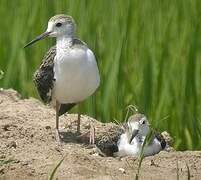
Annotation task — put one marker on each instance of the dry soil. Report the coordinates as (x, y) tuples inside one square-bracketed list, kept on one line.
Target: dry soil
[(27, 138)]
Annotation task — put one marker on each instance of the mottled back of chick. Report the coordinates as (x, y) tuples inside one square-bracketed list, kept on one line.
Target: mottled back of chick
[(108, 142)]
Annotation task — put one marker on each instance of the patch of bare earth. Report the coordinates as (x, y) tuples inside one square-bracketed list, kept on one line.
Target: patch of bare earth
[(27, 136)]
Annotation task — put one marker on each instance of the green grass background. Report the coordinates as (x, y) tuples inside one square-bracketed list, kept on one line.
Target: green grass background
[(148, 52)]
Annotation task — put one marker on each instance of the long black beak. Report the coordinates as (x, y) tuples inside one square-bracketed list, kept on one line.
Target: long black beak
[(42, 36), (135, 132)]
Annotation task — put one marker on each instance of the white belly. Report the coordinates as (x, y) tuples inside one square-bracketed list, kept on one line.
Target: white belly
[(76, 75), (152, 149)]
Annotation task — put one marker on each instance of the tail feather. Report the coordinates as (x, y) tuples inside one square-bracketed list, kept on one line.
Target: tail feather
[(65, 108)]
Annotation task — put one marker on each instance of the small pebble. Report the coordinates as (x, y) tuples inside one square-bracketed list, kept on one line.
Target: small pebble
[(47, 127), (6, 127), (152, 163), (25, 163), (57, 148), (122, 170), (2, 170), (2, 156), (95, 154), (12, 168), (12, 144)]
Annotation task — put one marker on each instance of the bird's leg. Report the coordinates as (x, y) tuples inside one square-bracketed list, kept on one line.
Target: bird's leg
[(57, 123), (78, 119), (92, 135), (89, 136), (78, 122)]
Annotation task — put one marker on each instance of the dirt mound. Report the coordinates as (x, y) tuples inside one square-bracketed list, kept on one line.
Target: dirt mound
[(27, 139)]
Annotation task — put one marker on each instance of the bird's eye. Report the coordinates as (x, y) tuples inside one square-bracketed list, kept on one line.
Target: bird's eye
[(58, 24), (143, 122)]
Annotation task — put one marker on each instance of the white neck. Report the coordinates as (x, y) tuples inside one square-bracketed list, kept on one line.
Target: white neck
[(64, 42)]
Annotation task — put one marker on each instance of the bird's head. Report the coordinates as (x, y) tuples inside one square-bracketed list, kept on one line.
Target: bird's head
[(137, 124), (58, 26)]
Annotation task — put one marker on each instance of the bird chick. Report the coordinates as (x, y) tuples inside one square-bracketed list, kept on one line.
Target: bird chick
[(131, 141), (127, 140)]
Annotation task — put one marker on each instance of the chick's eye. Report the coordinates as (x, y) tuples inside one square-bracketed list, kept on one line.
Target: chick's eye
[(58, 24), (143, 122)]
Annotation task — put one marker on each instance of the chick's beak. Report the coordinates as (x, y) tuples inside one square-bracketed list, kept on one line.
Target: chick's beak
[(134, 133), (40, 37)]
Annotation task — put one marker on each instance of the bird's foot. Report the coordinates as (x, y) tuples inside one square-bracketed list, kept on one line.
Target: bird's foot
[(92, 135), (88, 137)]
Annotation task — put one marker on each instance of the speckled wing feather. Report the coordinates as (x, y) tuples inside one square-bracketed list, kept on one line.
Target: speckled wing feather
[(160, 139), (107, 143), (44, 76), (44, 79)]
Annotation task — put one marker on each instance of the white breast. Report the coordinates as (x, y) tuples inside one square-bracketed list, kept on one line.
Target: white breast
[(127, 149), (134, 148), (76, 75)]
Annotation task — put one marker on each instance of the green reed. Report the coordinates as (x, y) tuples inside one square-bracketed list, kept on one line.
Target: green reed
[(148, 53)]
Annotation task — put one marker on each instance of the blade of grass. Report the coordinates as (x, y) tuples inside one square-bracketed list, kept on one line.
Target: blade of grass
[(1, 74), (188, 171), (130, 108), (141, 157), (3, 161), (177, 170), (55, 169)]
